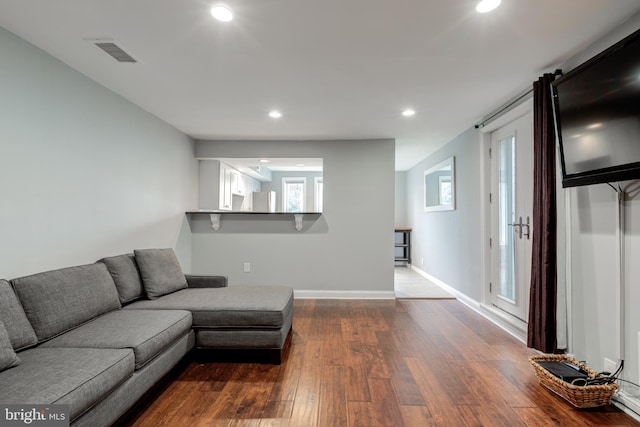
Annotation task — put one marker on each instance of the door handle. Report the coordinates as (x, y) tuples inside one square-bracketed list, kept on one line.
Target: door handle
[(528, 232), (519, 226)]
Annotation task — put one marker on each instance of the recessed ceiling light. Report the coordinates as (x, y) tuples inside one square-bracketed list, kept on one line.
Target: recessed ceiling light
[(264, 160), (408, 112), (275, 114), (487, 5), (222, 13), (300, 165), (594, 126)]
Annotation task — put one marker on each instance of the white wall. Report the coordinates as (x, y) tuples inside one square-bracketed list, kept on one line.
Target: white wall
[(632, 278), (349, 248), (447, 244), (594, 270), (83, 172), (401, 219)]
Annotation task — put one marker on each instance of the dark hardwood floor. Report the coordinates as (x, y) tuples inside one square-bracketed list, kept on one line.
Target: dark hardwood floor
[(375, 363)]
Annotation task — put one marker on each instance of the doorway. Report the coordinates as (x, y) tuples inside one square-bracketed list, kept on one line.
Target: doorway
[(511, 166)]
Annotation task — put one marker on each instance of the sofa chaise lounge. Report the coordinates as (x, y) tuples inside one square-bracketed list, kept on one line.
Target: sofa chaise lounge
[(97, 337)]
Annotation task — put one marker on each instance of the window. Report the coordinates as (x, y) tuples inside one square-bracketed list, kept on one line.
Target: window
[(319, 192), (293, 194)]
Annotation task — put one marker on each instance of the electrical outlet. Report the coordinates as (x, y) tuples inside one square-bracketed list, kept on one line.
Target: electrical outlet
[(610, 365), (246, 267)]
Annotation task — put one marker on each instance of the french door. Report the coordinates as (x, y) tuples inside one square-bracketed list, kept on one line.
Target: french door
[(511, 197)]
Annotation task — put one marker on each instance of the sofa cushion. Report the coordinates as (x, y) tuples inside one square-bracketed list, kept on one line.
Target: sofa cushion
[(160, 270), (8, 357), (109, 410), (231, 307), (147, 332), (15, 321), (234, 338), (58, 300), (79, 377), (125, 274)]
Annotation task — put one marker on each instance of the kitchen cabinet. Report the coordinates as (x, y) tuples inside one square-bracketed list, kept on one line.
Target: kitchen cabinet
[(225, 188), (226, 195)]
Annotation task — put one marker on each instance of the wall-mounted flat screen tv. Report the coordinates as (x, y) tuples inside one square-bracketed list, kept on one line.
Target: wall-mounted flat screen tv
[(597, 116)]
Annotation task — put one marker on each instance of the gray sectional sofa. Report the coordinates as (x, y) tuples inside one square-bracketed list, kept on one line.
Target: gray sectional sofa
[(97, 337)]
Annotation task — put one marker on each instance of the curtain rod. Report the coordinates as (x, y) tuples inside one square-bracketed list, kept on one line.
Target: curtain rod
[(506, 107)]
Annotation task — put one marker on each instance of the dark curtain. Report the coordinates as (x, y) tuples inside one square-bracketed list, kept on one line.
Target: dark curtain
[(542, 303)]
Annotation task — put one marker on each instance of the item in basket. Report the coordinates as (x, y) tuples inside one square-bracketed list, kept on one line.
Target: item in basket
[(565, 371)]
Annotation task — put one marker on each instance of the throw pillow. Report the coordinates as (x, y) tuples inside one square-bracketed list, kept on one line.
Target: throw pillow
[(8, 357), (160, 271), (126, 276)]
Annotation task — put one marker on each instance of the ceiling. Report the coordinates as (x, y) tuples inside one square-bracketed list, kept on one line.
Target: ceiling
[(336, 69)]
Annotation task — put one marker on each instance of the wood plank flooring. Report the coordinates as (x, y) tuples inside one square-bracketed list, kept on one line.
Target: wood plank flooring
[(375, 363)]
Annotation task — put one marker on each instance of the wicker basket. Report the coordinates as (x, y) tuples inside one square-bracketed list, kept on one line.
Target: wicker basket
[(590, 396)]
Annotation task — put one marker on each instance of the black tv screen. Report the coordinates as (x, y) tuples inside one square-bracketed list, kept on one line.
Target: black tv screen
[(597, 116)]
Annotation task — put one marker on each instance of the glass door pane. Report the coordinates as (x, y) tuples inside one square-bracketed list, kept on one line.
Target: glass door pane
[(506, 217)]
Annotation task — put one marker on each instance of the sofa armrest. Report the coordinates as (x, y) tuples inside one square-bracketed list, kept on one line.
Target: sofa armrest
[(195, 281)]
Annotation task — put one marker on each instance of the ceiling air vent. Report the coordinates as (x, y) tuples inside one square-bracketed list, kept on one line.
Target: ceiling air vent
[(115, 51)]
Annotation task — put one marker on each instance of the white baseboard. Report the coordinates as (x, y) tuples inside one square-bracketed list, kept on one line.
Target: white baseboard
[(322, 294), (503, 321), (629, 404), (453, 291), (515, 327)]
